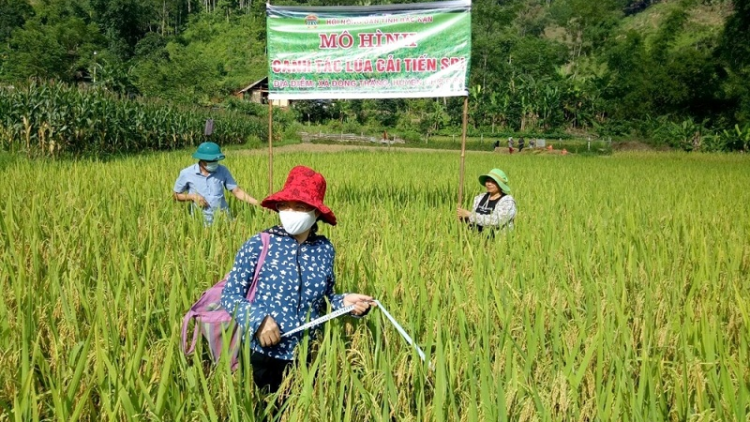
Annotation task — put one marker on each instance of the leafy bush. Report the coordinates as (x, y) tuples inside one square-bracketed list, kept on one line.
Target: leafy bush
[(253, 142), (353, 127), (686, 135), (292, 132), (245, 107), (412, 136), (737, 138)]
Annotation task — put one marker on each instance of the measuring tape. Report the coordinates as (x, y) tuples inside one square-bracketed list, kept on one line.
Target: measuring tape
[(400, 330), (348, 309), (319, 321)]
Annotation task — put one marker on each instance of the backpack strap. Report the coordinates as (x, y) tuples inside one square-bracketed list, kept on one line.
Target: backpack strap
[(185, 322), (265, 241)]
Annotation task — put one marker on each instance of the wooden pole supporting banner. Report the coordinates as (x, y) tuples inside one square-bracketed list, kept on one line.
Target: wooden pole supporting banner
[(463, 152), (270, 147)]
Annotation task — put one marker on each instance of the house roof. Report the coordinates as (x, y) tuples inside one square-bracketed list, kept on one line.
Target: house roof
[(253, 85)]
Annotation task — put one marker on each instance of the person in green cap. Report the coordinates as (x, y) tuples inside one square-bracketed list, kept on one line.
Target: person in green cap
[(203, 183), (493, 210)]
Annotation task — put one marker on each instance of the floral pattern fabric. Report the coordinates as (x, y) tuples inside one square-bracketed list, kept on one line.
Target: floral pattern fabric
[(500, 217), (295, 280)]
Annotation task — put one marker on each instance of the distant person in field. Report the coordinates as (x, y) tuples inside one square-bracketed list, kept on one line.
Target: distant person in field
[(532, 143), (510, 145), (496, 145), (493, 210), (296, 281), (204, 183), (521, 143)]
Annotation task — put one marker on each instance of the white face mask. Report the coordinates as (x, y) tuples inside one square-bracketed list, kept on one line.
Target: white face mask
[(296, 222), (211, 166)]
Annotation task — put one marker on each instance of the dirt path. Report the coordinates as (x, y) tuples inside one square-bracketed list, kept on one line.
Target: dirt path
[(339, 148), (323, 148)]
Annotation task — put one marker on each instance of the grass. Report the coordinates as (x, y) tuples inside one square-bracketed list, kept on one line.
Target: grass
[(621, 295)]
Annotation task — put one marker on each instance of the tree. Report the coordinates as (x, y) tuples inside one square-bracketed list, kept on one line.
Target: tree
[(628, 82), (53, 51), (587, 23), (13, 14), (123, 22), (734, 50)]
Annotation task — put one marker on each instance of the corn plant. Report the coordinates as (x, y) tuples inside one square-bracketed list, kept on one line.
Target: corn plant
[(53, 120)]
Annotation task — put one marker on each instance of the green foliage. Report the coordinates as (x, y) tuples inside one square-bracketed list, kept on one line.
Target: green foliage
[(53, 119), (652, 76), (686, 135), (734, 50), (737, 138), (291, 132), (315, 111), (212, 58), (124, 23), (587, 24), (51, 48), (13, 14), (245, 107), (735, 41), (549, 66), (412, 136), (252, 141), (112, 75)]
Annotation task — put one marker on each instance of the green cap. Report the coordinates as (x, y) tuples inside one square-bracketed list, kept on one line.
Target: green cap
[(208, 151), (499, 177)]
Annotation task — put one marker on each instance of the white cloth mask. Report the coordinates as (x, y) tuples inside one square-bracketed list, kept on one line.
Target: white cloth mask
[(296, 222), (211, 167)]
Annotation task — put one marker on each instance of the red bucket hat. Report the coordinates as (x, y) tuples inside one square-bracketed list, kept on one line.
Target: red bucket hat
[(304, 185)]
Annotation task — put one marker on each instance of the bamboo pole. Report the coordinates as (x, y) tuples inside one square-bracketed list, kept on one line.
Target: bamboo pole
[(270, 146), (463, 152)]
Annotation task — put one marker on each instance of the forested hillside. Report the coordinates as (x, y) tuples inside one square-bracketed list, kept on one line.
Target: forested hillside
[(671, 72)]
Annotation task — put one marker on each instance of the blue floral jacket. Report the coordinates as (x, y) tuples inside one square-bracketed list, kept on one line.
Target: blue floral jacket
[(295, 279)]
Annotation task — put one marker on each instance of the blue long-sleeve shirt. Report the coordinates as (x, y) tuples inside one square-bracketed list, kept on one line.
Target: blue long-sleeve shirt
[(295, 279), (210, 187)]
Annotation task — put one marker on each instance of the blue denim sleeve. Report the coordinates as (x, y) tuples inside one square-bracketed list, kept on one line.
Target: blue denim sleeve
[(234, 295)]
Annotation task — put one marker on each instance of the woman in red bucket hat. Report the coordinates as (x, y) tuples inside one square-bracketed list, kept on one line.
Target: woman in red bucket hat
[(296, 278)]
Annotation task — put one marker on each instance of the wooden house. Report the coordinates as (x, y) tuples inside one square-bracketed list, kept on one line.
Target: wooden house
[(257, 92)]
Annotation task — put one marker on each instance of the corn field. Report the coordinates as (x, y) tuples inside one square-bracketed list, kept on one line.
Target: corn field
[(622, 294), (55, 119)]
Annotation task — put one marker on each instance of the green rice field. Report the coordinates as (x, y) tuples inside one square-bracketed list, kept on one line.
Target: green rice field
[(623, 294)]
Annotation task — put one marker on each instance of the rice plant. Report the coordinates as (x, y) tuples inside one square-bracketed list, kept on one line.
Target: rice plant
[(621, 295)]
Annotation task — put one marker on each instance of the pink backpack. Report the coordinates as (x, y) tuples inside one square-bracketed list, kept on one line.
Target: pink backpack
[(214, 321)]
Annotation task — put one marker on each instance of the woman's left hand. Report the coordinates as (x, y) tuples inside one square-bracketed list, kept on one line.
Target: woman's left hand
[(462, 213), (362, 303)]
